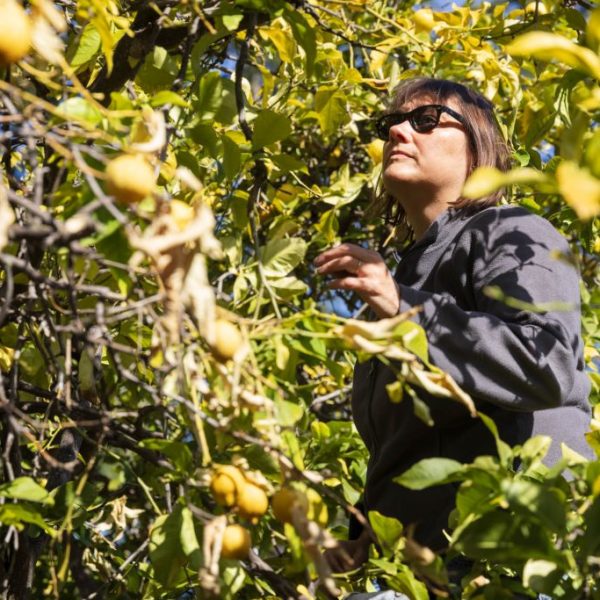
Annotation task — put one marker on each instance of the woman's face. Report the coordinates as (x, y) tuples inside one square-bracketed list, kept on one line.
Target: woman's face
[(426, 163)]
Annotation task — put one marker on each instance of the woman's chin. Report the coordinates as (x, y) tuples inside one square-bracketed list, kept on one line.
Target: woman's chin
[(398, 178)]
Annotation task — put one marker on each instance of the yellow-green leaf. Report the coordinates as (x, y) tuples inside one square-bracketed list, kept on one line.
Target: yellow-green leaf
[(283, 41), (579, 188), (592, 33), (550, 46), (25, 488), (270, 127), (487, 180)]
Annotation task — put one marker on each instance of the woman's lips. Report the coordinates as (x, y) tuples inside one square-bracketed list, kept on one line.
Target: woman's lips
[(400, 153)]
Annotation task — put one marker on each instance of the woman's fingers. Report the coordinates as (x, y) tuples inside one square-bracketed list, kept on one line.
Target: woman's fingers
[(347, 283), (349, 264), (346, 250), (362, 271)]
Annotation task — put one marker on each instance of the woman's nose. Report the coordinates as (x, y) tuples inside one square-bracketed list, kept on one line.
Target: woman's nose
[(401, 131)]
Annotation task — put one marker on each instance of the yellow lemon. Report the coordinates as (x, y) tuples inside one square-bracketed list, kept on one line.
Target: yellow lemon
[(130, 178), (252, 502), (15, 32), (228, 340), (284, 499), (236, 542), (225, 484), (424, 20)]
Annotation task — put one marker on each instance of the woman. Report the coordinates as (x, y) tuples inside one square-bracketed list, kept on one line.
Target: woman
[(523, 369)]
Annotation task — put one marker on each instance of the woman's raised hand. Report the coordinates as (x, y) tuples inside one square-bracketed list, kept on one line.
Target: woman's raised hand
[(363, 271)]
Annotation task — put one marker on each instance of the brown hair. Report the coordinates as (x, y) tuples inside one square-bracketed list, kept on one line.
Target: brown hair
[(487, 145)]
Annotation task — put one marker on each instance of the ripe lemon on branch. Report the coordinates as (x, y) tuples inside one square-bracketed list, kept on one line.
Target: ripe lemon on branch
[(15, 32), (230, 488), (130, 178), (252, 502), (284, 500), (227, 340), (225, 484), (236, 542)]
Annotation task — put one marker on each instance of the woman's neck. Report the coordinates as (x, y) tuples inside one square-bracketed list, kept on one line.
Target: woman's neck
[(421, 217), (421, 213)]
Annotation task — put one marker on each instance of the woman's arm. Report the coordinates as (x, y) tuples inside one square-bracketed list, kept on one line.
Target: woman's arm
[(507, 351), (519, 359)]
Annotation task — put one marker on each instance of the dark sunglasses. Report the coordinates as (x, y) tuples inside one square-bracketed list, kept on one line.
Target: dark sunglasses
[(422, 119)]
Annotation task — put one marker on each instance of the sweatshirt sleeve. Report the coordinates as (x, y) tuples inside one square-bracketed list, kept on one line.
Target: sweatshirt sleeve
[(516, 358)]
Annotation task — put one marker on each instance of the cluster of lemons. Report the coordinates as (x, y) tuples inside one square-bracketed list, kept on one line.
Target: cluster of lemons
[(232, 489), (16, 32)]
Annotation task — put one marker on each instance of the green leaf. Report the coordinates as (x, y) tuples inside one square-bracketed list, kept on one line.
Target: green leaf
[(414, 339), (79, 109), (504, 450), (158, 71), (502, 536), (270, 127), (590, 541), (288, 413), (206, 136), (292, 448), (180, 454), (234, 577), (232, 157), (232, 22), (535, 448), (542, 503), (429, 472), (25, 488), (395, 391), (168, 97), (305, 35), (216, 99), (18, 514), (101, 21), (86, 47), (279, 257), (166, 553), (387, 529), (188, 538), (421, 409), (406, 582), (351, 495), (331, 109), (287, 163), (115, 473), (288, 287), (473, 499), (551, 46), (283, 41)]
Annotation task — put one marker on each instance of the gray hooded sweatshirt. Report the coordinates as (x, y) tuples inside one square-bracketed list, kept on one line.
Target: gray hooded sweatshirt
[(524, 369)]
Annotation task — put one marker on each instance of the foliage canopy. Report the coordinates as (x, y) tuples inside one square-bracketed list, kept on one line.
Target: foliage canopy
[(162, 318)]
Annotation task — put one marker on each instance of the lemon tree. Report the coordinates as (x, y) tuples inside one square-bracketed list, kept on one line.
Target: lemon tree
[(174, 377)]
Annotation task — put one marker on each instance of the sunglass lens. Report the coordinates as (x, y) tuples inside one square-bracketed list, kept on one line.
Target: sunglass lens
[(425, 119)]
